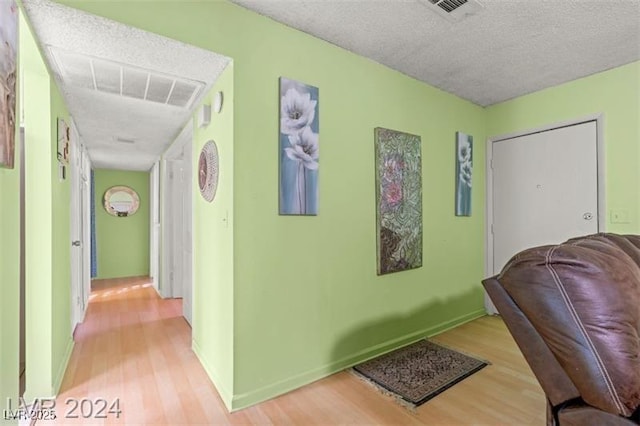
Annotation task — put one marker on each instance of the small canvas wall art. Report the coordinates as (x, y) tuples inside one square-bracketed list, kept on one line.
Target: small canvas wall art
[(464, 167), (8, 61), (63, 142), (398, 200), (299, 148)]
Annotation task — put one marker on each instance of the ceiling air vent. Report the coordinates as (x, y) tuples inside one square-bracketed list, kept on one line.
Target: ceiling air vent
[(121, 139), (454, 10), (121, 79)]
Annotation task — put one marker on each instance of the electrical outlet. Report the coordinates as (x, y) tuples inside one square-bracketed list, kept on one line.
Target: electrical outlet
[(620, 216)]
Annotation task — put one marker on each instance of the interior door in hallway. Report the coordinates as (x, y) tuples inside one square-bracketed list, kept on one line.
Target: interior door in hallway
[(545, 189), (176, 222), (187, 238), (77, 230), (177, 227)]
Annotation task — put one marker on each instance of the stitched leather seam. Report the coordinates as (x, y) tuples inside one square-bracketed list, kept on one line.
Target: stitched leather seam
[(508, 265), (578, 322)]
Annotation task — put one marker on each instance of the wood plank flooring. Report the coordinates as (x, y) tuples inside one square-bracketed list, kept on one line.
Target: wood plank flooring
[(135, 347)]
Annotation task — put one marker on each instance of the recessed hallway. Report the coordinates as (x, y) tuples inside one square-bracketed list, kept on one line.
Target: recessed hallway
[(135, 347)]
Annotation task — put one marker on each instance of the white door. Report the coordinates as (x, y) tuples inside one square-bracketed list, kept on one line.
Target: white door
[(187, 241), (176, 222), (86, 232), (177, 218), (77, 227), (545, 189)]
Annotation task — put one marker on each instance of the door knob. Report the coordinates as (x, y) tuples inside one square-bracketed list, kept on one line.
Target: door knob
[(75, 243), (587, 216)]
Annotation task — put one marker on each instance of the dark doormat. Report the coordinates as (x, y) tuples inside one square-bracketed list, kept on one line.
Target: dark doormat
[(418, 372)]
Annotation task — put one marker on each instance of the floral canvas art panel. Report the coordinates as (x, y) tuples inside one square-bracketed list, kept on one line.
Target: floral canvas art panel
[(8, 61), (464, 168), (64, 138), (299, 148), (398, 200)]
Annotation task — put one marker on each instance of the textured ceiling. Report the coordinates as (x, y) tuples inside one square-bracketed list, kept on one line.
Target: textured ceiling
[(510, 48), (102, 117)]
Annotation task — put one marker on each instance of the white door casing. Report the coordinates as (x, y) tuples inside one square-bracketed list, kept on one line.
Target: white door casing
[(187, 235), (166, 229), (154, 232), (177, 227), (543, 187), (86, 234)]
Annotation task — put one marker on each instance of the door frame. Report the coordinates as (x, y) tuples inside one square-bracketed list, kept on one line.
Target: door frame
[(154, 231), (600, 173), (179, 150), (86, 232)]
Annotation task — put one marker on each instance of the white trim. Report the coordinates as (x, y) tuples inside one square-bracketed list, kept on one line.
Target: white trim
[(602, 215), (154, 221), (86, 179)]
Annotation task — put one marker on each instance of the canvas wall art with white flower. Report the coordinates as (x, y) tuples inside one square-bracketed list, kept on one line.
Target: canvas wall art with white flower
[(299, 148), (464, 167), (398, 200)]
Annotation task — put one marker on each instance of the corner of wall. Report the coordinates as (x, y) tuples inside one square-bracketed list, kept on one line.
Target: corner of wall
[(225, 394), (62, 367)]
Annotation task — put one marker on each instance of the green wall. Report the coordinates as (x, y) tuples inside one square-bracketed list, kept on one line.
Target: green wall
[(122, 242), (10, 271), (62, 341), (616, 95), (48, 242), (308, 301), (213, 248), (306, 298), (9, 281)]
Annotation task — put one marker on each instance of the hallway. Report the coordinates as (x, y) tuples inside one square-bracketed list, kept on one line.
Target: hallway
[(135, 347)]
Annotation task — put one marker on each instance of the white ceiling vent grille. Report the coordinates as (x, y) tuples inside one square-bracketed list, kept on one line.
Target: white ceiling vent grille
[(125, 80), (448, 5), (454, 10)]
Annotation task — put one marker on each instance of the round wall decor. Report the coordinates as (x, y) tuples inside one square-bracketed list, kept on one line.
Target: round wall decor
[(121, 201), (208, 169)]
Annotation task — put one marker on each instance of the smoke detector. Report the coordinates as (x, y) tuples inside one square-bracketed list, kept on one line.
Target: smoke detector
[(454, 10)]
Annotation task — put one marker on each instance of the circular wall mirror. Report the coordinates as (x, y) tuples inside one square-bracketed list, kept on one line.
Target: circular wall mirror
[(121, 201)]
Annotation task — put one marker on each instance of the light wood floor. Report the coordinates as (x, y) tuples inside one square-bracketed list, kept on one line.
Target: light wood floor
[(136, 347)]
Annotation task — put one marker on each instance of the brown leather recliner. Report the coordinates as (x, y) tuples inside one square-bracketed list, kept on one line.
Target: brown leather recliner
[(574, 311)]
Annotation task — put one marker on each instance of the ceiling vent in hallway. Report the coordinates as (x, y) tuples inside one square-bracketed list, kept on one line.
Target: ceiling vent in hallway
[(121, 139), (454, 10), (88, 72)]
